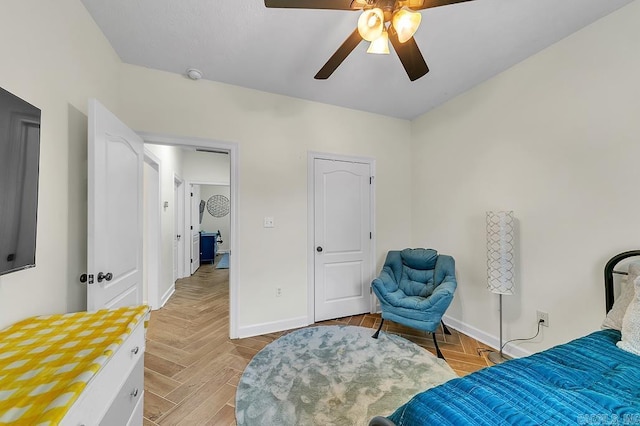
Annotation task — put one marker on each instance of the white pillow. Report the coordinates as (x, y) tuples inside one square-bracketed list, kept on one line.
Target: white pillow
[(615, 315), (630, 341)]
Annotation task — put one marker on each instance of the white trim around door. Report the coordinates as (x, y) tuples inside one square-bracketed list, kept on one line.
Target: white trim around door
[(152, 246), (234, 258), (178, 230), (311, 157)]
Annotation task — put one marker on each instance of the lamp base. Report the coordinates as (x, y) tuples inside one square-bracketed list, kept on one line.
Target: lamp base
[(497, 357)]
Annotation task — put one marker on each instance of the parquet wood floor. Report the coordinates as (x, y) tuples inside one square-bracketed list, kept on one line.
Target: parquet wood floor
[(192, 368)]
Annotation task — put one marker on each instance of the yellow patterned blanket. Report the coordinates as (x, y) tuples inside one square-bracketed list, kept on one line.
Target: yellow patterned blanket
[(47, 361)]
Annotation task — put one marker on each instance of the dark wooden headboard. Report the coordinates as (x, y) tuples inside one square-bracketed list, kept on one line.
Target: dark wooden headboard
[(609, 271)]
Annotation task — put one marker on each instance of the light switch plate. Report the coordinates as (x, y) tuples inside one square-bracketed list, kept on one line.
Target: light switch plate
[(268, 222)]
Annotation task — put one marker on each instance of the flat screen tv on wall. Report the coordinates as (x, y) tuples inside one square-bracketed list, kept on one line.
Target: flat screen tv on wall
[(19, 168)]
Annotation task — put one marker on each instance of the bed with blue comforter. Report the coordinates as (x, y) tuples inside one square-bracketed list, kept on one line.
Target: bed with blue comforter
[(588, 381)]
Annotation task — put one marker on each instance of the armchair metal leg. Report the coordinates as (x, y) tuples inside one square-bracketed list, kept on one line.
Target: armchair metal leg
[(435, 342), (444, 327), (377, 333)]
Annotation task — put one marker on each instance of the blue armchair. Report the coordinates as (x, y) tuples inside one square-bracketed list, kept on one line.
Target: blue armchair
[(415, 288)]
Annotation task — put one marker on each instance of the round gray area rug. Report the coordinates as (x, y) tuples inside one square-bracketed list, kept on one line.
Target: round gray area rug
[(334, 375)]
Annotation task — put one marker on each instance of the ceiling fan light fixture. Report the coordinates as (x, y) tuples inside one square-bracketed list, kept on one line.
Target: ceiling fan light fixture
[(406, 22), (371, 24), (380, 46)]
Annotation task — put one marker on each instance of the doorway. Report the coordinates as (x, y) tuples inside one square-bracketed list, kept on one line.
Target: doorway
[(210, 215), (231, 150)]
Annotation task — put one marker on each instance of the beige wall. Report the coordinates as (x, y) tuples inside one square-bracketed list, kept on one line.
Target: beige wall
[(54, 57), (556, 140), (275, 134)]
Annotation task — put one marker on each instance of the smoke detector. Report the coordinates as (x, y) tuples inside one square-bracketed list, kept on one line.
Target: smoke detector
[(194, 74)]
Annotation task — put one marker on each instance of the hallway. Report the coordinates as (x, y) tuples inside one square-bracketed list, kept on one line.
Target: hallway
[(191, 366)]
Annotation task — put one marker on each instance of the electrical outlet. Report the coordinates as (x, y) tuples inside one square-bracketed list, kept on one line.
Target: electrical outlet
[(278, 291), (544, 317)]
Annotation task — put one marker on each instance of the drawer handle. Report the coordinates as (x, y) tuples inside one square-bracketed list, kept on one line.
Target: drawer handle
[(134, 393), (135, 350)]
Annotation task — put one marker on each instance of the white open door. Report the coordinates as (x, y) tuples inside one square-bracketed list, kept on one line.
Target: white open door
[(195, 228), (342, 235), (115, 196)]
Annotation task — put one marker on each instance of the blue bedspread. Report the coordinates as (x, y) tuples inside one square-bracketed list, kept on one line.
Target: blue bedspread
[(588, 381)]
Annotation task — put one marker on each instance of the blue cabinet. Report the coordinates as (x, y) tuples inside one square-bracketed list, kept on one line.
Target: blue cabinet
[(208, 246)]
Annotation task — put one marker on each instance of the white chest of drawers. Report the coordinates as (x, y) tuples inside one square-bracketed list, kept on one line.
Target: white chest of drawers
[(114, 397)]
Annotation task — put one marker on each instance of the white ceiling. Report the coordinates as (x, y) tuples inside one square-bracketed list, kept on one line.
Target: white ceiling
[(243, 43)]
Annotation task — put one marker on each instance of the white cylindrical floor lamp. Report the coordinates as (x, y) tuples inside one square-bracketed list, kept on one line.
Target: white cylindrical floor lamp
[(500, 262)]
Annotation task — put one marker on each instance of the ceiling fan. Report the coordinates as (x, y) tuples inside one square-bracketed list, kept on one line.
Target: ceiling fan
[(381, 21)]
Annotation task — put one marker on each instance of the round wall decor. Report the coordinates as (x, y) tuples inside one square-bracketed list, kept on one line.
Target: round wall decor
[(218, 206)]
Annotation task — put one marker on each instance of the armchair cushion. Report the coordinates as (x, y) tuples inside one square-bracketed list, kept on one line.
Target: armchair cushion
[(417, 277)]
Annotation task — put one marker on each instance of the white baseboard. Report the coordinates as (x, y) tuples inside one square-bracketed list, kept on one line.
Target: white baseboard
[(271, 327), (167, 295), (276, 326), (481, 336)]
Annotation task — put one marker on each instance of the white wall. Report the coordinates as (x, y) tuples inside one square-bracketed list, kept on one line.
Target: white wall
[(63, 59), (215, 224), (170, 166), (556, 140), (274, 134), (208, 167), (54, 56)]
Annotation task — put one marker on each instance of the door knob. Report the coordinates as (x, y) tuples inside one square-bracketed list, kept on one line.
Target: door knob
[(101, 276), (319, 249)]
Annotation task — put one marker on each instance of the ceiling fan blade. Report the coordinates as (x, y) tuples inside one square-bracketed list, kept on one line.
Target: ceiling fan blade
[(410, 56), (340, 55), (314, 4), (428, 4)]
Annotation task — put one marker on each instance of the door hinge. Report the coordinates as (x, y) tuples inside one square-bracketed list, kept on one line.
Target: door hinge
[(192, 194), (191, 260), (370, 236), (370, 290), (370, 179), (192, 228)]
